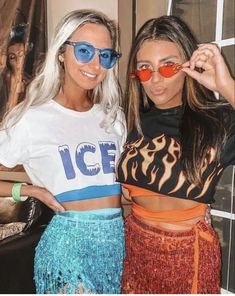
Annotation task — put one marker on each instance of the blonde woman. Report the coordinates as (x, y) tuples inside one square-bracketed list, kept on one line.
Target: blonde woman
[(68, 135)]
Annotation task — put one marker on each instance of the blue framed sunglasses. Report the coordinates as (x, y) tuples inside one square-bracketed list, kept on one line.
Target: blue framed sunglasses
[(84, 53)]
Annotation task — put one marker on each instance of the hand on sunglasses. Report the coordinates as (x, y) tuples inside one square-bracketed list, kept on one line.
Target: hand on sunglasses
[(84, 52), (165, 71), (215, 74)]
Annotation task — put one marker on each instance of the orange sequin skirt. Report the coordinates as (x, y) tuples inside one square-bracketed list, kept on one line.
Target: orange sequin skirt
[(160, 261)]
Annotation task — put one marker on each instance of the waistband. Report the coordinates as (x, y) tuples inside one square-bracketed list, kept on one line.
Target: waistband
[(174, 216), (98, 214)]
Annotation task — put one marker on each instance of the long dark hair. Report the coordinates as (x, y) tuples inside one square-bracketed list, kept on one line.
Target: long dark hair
[(203, 122)]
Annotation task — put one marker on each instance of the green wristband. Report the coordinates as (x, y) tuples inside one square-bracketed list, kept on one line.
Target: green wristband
[(15, 192)]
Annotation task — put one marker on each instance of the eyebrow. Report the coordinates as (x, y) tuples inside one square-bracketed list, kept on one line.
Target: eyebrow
[(162, 60)]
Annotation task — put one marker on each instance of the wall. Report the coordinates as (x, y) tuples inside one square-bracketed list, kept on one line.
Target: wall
[(131, 15), (56, 9)]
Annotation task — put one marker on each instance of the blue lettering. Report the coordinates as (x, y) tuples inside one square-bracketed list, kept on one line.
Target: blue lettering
[(67, 162), (86, 169), (108, 150)]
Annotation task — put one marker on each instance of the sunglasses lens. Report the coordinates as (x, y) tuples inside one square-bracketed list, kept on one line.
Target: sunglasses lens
[(169, 70), (144, 75), (108, 58), (84, 52)]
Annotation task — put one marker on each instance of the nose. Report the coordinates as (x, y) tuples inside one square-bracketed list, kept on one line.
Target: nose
[(156, 76), (95, 62)]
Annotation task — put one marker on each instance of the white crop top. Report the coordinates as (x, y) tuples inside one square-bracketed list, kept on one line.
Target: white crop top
[(66, 151)]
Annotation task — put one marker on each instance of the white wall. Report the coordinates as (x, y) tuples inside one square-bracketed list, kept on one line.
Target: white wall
[(56, 9)]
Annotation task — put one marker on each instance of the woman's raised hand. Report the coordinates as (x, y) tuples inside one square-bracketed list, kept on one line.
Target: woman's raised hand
[(215, 75)]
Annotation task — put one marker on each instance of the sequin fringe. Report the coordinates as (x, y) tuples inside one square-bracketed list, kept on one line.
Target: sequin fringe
[(77, 254), (160, 261)]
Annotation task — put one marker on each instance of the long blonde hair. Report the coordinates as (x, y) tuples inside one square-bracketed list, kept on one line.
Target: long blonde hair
[(47, 83)]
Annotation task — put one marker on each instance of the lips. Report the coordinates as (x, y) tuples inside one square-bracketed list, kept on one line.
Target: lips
[(89, 75), (157, 91)]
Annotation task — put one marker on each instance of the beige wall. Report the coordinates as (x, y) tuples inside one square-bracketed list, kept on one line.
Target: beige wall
[(147, 9), (56, 9), (125, 14), (144, 10)]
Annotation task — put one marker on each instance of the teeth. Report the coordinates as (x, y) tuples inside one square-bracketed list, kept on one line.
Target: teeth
[(89, 74)]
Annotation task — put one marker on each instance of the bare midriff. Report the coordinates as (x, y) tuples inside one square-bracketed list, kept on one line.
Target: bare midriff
[(160, 202), (113, 201)]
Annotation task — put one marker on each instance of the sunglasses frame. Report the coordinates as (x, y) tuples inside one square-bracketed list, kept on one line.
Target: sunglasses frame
[(116, 55), (175, 69)]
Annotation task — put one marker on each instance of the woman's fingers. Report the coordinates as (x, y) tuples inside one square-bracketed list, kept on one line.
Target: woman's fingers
[(212, 47), (194, 74), (48, 199), (203, 56), (55, 206), (52, 203), (215, 74)]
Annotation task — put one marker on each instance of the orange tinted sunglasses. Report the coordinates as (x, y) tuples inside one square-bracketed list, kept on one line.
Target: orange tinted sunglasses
[(166, 71)]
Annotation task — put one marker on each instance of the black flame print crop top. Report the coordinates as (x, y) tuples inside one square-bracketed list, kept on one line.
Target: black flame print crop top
[(153, 161)]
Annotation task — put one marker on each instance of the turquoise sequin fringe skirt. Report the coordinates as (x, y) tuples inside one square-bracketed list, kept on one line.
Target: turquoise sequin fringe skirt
[(81, 249)]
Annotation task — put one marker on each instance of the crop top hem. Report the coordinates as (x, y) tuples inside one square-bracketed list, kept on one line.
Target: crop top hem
[(135, 191), (90, 192), (138, 191)]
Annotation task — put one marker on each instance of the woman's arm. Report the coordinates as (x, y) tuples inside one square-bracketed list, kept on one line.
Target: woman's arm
[(30, 190), (216, 75)]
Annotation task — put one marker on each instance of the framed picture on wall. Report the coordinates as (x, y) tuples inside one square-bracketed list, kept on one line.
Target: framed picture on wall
[(23, 43)]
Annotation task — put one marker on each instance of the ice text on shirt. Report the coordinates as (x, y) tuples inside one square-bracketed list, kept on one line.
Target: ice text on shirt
[(107, 150)]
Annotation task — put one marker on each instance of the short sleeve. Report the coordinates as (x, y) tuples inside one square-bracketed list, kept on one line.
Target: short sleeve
[(14, 144), (228, 152)]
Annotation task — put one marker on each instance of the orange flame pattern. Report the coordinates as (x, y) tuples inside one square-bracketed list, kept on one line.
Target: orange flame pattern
[(155, 164)]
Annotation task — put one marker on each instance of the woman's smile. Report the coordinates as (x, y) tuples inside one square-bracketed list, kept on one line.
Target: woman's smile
[(89, 75)]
